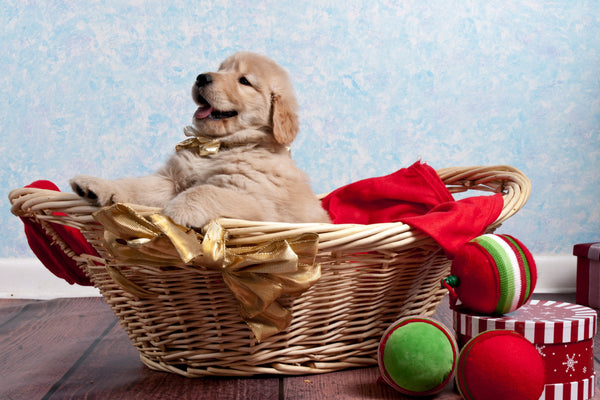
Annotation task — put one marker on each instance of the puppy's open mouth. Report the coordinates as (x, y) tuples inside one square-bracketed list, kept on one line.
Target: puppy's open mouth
[(207, 111)]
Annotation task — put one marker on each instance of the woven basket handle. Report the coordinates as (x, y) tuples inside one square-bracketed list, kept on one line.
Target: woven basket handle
[(509, 181)]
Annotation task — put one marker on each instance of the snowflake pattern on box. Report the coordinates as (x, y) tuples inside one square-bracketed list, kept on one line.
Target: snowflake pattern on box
[(570, 363)]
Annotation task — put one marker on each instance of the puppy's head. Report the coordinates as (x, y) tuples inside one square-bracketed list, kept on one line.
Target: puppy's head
[(249, 91)]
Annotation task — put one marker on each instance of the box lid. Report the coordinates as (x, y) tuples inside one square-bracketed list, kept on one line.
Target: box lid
[(540, 321), (587, 250)]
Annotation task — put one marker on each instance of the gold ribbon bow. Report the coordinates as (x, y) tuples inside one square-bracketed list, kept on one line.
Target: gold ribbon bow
[(203, 145), (258, 276)]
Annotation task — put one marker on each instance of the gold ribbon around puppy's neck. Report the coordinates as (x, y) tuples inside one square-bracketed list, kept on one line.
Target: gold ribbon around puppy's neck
[(203, 145), (258, 276)]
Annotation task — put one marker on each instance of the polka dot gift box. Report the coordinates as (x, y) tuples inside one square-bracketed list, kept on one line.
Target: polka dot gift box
[(563, 334)]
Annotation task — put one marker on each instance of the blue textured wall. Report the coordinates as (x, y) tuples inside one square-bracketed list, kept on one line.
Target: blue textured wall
[(104, 89)]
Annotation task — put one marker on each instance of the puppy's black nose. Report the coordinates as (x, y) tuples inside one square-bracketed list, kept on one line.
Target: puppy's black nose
[(203, 80)]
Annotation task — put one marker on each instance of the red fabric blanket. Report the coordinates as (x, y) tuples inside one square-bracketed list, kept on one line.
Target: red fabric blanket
[(50, 253), (415, 196)]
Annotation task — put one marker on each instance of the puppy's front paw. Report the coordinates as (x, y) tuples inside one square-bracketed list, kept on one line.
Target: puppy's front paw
[(96, 190), (189, 215)]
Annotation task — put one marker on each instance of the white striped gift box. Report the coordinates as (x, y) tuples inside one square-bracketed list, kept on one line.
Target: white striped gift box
[(562, 332), (578, 390)]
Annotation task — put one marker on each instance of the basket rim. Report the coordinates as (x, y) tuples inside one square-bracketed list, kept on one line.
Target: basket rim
[(511, 182)]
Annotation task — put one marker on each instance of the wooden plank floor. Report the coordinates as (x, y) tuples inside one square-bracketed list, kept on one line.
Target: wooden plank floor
[(75, 349)]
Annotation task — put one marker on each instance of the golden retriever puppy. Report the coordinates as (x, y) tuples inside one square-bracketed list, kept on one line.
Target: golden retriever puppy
[(247, 116)]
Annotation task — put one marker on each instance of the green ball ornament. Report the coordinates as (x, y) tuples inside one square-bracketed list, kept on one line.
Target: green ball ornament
[(417, 356)]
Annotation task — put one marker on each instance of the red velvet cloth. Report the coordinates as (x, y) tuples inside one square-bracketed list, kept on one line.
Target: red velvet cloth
[(50, 253), (415, 196)]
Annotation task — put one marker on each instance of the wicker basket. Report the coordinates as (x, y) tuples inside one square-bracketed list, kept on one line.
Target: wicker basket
[(371, 276)]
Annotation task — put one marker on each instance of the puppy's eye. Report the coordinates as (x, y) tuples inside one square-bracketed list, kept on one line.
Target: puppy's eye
[(244, 81)]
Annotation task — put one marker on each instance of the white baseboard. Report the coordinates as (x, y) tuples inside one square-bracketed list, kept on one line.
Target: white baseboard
[(27, 278), (556, 273)]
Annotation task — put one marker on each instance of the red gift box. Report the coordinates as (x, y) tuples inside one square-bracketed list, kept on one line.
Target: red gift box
[(588, 274), (563, 333)]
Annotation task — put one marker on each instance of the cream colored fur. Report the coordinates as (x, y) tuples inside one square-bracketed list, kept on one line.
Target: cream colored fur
[(252, 177)]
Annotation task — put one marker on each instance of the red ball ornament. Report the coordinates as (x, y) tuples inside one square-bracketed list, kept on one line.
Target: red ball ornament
[(500, 365), (492, 274)]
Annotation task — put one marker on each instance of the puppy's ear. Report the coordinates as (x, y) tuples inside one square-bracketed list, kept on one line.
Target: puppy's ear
[(285, 119)]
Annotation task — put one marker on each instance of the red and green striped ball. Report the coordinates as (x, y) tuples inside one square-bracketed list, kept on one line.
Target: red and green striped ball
[(496, 273)]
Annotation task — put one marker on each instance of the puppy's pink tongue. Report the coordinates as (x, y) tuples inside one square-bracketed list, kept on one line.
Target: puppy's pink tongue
[(203, 112)]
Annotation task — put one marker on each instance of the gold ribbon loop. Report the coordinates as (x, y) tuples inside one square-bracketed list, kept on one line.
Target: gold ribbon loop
[(258, 276)]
